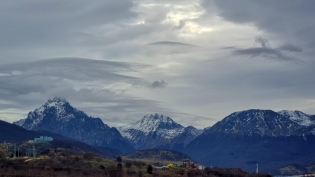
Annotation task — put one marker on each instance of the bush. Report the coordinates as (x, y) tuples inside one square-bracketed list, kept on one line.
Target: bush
[(119, 167), (140, 174), (88, 156), (119, 159), (128, 164), (180, 172), (101, 167), (131, 173), (149, 169), (2, 155), (76, 158)]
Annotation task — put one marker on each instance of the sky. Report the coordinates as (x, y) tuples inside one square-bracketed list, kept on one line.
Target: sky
[(194, 61)]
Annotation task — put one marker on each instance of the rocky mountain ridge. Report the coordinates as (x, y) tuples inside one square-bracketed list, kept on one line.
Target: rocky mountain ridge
[(158, 131), (58, 116), (265, 123)]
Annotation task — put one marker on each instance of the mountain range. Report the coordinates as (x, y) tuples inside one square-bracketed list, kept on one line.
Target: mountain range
[(273, 139), (158, 131), (58, 116)]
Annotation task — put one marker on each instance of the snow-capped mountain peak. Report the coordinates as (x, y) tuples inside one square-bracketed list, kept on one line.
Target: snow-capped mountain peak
[(299, 117), (153, 122), (56, 101), (58, 116), (265, 123), (155, 130), (58, 108)]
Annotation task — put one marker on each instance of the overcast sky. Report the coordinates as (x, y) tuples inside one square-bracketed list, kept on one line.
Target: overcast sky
[(195, 61)]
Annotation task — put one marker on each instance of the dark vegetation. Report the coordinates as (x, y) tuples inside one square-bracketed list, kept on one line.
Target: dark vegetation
[(61, 162), (168, 155)]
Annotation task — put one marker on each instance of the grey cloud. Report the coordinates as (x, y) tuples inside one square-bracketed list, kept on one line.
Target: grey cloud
[(171, 43), (288, 19), (43, 75), (34, 23), (229, 48), (290, 47), (263, 42), (268, 53), (181, 25), (159, 84)]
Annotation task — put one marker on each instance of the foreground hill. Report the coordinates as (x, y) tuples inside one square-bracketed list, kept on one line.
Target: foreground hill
[(58, 116), (156, 131), (272, 139), (14, 133), (158, 155)]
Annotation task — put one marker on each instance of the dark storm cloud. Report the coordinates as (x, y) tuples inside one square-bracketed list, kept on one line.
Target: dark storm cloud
[(159, 84)]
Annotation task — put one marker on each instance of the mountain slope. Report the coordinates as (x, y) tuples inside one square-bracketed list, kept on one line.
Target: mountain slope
[(14, 133), (299, 117), (58, 116), (243, 138), (262, 123), (158, 131)]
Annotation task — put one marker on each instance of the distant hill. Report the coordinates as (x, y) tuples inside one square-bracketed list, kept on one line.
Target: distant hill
[(75, 146), (13, 133), (108, 152), (157, 154)]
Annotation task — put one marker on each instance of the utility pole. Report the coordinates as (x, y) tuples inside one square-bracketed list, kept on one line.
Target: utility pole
[(18, 151)]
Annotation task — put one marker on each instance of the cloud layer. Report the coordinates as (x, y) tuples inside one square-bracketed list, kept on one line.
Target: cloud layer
[(196, 61)]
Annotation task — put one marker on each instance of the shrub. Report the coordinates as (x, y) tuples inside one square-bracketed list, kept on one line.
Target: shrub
[(128, 164), (101, 167), (119, 159), (140, 174), (149, 169), (131, 173), (88, 156), (2, 155), (180, 172), (76, 158), (119, 167)]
